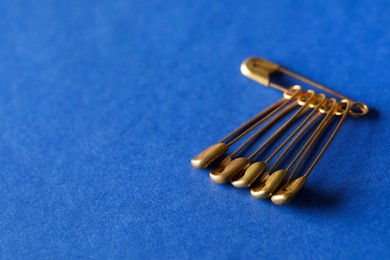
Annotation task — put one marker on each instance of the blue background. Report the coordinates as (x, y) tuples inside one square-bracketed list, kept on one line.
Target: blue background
[(104, 103)]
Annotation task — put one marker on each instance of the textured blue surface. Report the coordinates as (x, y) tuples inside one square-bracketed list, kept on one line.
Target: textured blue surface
[(103, 103)]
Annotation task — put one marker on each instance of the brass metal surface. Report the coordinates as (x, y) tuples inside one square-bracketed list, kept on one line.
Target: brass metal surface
[(265, 189), (234, 167), (249, 176), (286, 194), (259, 69), (308, 113), (209, 155)]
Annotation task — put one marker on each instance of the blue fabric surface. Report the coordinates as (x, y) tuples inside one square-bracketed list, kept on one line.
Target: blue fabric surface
[(104, 103)]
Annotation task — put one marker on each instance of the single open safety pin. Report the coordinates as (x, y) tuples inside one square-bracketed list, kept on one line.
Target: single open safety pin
[(260, 70)]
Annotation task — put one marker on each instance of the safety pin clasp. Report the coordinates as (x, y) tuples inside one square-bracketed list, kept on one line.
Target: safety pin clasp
[(208, 156), (250, 175), (266, 188), (286, 194)]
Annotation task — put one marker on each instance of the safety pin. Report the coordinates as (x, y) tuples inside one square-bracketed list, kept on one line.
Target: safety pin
[(279, 184), (259, 69)]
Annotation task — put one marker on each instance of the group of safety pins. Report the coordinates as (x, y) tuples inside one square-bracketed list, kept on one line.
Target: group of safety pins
[(269, 177)]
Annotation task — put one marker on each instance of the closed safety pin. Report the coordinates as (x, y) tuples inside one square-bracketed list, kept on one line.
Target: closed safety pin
[(247, 170)]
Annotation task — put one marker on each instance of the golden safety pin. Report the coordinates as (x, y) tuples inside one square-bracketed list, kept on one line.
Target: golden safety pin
[(250, 171), (260, 70)]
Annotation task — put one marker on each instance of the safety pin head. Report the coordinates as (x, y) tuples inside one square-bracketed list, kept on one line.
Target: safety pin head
[(286, 194), (265, 190), (205, 158), (250, 175)]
